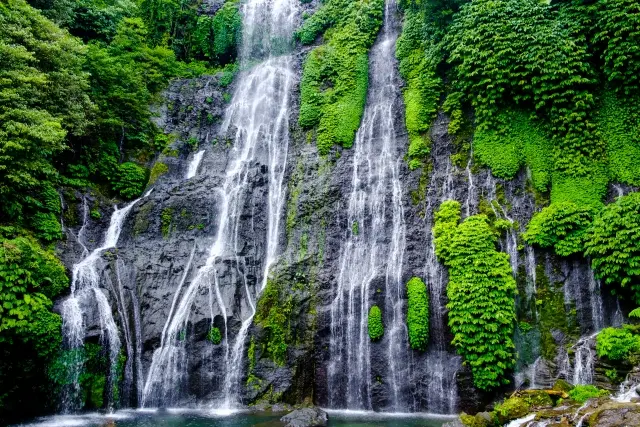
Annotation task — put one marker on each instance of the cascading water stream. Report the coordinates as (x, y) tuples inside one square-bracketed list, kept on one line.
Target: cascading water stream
[(193, 164), (85, 289), (374, 248), (258, 117)]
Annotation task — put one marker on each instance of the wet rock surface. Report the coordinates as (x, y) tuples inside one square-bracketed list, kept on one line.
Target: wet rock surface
[(305, 417)]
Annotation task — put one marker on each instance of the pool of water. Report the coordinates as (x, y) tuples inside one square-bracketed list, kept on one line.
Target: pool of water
[(205, 418)]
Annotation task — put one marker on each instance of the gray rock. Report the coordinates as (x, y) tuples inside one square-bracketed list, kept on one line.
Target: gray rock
[(305, 417), (454, 423)]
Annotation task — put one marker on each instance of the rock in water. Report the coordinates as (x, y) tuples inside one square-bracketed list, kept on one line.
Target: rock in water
[(454, 423), (305, 417)]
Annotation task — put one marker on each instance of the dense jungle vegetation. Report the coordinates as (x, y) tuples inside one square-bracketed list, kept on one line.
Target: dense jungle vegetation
[(76, 82), (550, 86)]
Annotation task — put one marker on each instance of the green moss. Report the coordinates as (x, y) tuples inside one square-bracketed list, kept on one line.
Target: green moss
[(157, 170), (166, 218), (511, 409), (417, 314), (214, 336), (273, 314), (562, 385), (334, 81), (375, 326), (481, 293), (355, 228), (141, 222)]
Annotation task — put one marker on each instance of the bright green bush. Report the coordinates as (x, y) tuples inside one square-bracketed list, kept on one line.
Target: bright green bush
[(561, 226), (613, 243), (581, 393), (375, 325), (618, 36), (419, 55), (619, 124), (517, 141), (528, 53), (130, 180), (616, 343), (481, 294), (214, 335), (418, 314), (216, 37), (333, 88)]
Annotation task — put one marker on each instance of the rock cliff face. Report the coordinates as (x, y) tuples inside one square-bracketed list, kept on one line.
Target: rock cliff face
[(166, 241)]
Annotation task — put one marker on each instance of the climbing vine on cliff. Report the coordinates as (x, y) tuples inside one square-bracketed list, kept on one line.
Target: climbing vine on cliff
[(481, 292)]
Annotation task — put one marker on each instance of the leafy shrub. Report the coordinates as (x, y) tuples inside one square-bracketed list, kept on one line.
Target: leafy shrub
[(619, 123), (481, 294), (561, 226), (130, 180), (419, 55), (333, 88), (214, 335), (613, 244), (581, 393), (616, 343), (418, 314), (537, 60), (216, 37), (376, 328), (618, 34), (517, 141)]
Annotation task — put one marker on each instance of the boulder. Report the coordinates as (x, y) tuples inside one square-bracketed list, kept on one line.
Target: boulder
[(305, 417)]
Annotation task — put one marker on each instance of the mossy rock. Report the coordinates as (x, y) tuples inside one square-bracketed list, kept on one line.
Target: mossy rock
[(538, 399), (562, 385), (482, 419), (511, 409)]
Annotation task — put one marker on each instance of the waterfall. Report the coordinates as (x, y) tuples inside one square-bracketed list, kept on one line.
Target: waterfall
[(193, 164), (85, 289), (374, 247), (258, 120)]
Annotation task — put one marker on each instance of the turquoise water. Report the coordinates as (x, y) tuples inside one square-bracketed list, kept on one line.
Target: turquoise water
[(190, 418)]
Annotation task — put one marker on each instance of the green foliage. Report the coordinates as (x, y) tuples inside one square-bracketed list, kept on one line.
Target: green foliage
[(561, 226), (273, 314), (418, 314), (517, 141), (619, 123), (618, 36), (419, 55), (526, 52), (375, 325), (30, 278), (581, 393), (214, 335), (130, 180), (42, 100), (333, 88), (613, 244), (216, 37), (617, 343), (481, 293), (166, 218), (635, 313), (511, 409), (157, 171)]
